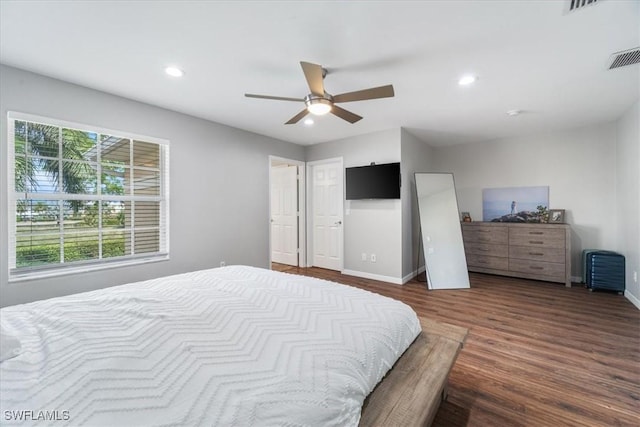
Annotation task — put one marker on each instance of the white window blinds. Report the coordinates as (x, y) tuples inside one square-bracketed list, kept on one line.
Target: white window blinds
[(82, 198)]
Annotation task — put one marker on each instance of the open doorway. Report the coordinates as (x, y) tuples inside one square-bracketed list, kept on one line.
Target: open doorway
[(286, 212)]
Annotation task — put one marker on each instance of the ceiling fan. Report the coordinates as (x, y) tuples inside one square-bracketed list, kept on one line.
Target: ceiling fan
[(319, 102)]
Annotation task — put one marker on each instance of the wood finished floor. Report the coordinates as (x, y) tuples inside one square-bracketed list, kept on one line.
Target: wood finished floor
[(537, 353)]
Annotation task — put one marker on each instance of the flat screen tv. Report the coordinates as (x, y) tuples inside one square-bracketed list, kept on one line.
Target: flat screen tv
[(373, 182)]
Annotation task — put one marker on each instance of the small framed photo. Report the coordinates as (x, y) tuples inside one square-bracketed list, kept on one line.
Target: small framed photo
[(556, 216)]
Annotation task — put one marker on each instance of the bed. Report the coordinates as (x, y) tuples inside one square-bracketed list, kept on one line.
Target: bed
[(227, 346)]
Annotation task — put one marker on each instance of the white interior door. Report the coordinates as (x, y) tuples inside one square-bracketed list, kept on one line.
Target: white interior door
[(284, 215), (327, 201)]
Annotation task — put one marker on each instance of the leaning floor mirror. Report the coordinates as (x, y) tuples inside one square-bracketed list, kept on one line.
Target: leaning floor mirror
[(444, 258)]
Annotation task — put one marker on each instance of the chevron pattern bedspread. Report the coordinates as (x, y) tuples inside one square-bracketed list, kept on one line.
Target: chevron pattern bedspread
[(232, 346)]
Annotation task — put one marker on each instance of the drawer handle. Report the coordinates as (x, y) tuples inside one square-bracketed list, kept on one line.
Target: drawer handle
[(533, 267), (536, 242), (536, 253), (536, 232)]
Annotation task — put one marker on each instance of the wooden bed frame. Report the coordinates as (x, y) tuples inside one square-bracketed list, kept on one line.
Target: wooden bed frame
[(411, 392)]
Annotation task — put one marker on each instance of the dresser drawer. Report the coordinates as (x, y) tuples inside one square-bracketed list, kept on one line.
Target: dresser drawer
[(529, 250), (486, 249), (479, 234), (548, 269), (538, 237), (541, 253), (486, 261)]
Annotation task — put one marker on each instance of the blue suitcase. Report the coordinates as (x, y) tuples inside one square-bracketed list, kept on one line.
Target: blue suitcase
[(605, 270), (586, 259)]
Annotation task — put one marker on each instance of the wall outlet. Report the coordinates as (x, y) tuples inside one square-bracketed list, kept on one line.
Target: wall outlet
[(373, 257), (363, 256), (222, 263)]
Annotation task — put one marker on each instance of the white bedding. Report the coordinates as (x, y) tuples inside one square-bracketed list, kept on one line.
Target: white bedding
[(237, 346)]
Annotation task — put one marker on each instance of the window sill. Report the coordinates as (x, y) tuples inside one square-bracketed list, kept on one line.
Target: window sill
[(45, 274)]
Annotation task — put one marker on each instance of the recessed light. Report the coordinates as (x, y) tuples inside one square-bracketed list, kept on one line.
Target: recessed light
[(308, 122), (174, 71), (467, 80), (513, 112)]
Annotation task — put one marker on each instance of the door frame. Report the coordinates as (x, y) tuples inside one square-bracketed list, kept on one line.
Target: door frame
[(302, 228), (309, 229)]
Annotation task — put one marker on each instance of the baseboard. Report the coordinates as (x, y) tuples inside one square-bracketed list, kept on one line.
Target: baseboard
[(576, 279), (635, 301), (379, 277), (413, 274)]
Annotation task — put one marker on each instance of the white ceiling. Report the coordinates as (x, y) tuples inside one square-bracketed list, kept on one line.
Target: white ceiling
[(528, 55)]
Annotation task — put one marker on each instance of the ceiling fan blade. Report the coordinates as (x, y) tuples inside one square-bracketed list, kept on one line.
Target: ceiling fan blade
[(295, 119), (344, 114), (313, 74), (362, 95), (277, 98)]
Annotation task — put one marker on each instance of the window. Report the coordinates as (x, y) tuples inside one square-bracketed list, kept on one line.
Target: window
[(83, 198)]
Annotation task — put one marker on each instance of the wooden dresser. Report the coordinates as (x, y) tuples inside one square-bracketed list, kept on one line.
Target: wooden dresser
[(528, 250)]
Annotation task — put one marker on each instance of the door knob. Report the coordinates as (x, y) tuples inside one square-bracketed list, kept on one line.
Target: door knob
[(337, 223)]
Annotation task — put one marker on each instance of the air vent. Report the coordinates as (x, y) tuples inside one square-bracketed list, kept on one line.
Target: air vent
[(624, 58), (579, 4)]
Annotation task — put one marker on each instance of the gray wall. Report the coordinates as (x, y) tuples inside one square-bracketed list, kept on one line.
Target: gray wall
[(416, 157), (628, 194), (592, 172), (370, 226), (579, 166), (227, 221)]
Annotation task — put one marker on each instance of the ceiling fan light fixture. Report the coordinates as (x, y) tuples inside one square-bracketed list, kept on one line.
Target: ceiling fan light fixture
[(319, 102), (318, 106)]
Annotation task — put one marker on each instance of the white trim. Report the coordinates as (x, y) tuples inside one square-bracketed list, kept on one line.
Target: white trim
[(89, 197), (63, 271), (302, 204), (413, 274), (635, 301), (379, 277), (14, 115), (11, 195), (320, 162)]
